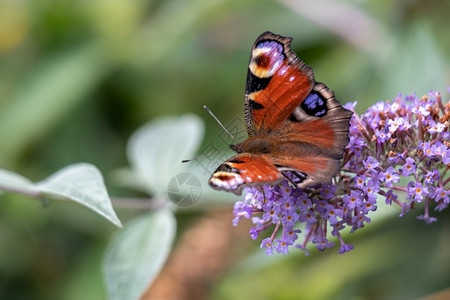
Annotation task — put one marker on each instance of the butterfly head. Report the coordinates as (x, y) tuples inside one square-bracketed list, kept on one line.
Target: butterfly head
[(237, 148), (254, 145)]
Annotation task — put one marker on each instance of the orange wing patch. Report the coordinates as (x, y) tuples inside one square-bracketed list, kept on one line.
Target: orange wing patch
[(244, 169)]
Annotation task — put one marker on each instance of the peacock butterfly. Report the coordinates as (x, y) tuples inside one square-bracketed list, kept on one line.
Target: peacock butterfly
[(296, 128)]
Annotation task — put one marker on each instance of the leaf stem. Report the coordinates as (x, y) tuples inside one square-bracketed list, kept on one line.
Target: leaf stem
[(16, 190), (131, 203)]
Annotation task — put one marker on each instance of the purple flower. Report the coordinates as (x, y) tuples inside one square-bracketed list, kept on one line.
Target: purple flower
[(290, 235), (350, 105), (382, 136), (286, 190), (428, 220), (289, 219), (417, 191), (390, 196), (371, 188), (431, 177), (406, 206), (328, 191), (371, 163), (356, 146), (435, 127), (321, 205), (304, 203), (289, 206), (441, 206), (383, 148), (360, 181), (390, 176), (428, 150), (267, 243), (443, 151), (322, 243), (359, 220), (254, 233), (446, 157), (409, 167), (421, 110), (353, 200), (345, 248), (369, 205), (241, 210), (332, 214), (441, 195), (308, 217), (273, 214), (398, 123), (282, 247)]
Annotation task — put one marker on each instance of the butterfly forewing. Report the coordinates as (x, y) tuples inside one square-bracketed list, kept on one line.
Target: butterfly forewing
[(277, 81)]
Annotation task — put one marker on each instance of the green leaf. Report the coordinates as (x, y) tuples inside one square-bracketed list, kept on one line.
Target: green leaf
[(155, 151), (137, 253), (13, 182), (82, 183)]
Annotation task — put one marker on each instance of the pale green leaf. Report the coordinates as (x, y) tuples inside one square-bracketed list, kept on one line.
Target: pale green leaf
[(155, 151), (82, 183), (137, 253)]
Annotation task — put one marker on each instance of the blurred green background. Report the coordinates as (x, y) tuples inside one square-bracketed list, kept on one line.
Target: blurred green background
[(78, 77)]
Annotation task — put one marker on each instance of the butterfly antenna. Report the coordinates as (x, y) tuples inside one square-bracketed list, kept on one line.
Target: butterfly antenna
[(204, 155), (217, 120)]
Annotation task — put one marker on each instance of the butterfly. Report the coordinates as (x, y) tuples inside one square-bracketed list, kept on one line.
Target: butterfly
[(296, 128)]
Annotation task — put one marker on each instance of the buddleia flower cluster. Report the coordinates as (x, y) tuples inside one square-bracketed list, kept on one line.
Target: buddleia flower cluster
[(404, 140)]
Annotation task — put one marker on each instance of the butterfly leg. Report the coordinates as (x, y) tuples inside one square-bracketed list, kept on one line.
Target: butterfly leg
[(262, 191), (300, 176), (290, 180)]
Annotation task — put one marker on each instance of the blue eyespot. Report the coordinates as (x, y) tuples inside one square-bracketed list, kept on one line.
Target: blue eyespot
[(314, 105)]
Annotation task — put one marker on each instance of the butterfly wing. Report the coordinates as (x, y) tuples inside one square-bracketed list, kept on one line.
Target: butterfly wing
[(277, 81), (242, 170)]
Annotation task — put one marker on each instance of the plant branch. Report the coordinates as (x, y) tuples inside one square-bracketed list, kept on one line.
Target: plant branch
[(131, 203)]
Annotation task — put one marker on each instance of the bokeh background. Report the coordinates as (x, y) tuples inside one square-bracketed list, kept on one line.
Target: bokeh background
[(77, 78)]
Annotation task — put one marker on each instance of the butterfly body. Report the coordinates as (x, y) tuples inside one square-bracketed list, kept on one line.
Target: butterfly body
[(294, 123)]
